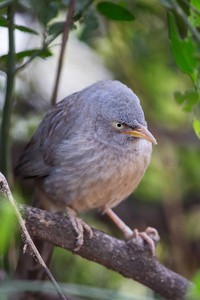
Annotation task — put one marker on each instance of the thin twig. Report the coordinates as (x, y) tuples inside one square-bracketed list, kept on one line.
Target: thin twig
[(67, 26), (5, 190)]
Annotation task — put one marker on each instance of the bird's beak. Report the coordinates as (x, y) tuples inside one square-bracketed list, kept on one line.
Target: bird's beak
[(142, 133)]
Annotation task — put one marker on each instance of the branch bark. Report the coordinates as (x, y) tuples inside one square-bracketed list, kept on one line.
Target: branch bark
[(131, 259)]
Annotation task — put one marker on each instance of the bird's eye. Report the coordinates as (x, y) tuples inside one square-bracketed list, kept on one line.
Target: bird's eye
[(118, 125)]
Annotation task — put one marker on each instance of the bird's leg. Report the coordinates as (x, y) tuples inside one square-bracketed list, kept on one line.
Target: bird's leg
[(79, 226), (150, 235), (127, 232)]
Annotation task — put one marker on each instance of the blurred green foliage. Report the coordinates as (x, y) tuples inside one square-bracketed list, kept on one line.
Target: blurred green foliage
[(7, 225), (194, 292)]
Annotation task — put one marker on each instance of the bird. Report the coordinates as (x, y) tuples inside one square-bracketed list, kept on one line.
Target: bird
[(90, 151)]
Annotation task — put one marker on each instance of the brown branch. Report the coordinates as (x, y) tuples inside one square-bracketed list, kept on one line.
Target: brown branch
[(5, 190), (131, 259), (67, 26)]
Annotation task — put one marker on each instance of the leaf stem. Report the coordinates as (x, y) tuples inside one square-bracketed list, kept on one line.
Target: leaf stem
[(8, 105)]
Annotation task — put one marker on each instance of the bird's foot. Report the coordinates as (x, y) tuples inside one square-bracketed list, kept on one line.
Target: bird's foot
[(79, 226), (150, 235)]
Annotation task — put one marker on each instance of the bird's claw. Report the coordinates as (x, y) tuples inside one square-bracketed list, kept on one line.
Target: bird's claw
[(79, 226), (150, 235)]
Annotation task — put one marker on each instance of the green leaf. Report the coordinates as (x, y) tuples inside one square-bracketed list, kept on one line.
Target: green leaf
[(3, 23), (26, 29), (183, 50), (196, 4), (196, 126), (27, 53), (194, 17), (48, 12), (6, 225), (114, 11), (179, 97), (56, 28), (190, 98)]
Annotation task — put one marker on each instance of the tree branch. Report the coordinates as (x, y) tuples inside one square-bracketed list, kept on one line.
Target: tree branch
[(131, 259)]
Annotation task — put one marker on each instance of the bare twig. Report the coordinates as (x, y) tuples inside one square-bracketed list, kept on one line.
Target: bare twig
[(131, 259), (5, 190), (67, 25)]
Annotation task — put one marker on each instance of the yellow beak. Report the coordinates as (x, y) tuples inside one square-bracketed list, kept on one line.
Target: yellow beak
[(142, 133)]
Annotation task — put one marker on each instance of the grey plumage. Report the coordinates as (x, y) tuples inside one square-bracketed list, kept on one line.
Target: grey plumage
[(79, 158)]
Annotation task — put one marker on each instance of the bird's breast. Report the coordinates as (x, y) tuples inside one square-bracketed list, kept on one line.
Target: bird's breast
[(97, 176)]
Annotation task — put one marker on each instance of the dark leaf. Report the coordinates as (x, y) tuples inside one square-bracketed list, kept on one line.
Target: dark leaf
[(56, 28), (190, 99), (3, 23), (179, 97), (114, 11), (26, 29), (28, 53), (36, 5), (48, 12)]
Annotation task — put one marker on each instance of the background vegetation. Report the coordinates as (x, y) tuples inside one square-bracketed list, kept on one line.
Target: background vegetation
[(154, 48)]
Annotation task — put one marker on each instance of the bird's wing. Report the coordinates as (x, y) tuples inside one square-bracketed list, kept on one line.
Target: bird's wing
[(37, 160)]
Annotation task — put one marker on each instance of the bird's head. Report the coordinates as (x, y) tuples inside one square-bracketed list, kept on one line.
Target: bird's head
[(116, 114)]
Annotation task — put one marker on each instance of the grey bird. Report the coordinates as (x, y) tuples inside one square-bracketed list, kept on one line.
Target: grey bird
[(90, 151)]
